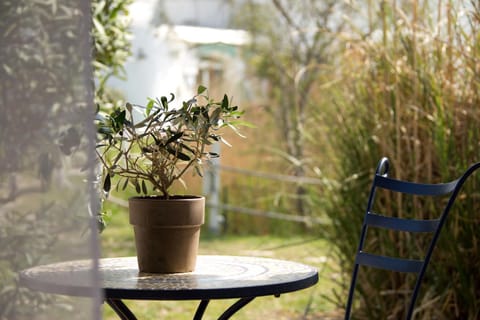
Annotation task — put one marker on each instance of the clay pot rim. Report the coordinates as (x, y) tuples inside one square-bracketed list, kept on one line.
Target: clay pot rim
[(171, 198), (190, 226)]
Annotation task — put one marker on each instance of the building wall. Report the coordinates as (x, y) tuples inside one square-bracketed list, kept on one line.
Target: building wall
[(203, 13), (166, 60)]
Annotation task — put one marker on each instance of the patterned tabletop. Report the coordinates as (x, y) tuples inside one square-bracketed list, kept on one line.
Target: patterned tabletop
[(215, 277)]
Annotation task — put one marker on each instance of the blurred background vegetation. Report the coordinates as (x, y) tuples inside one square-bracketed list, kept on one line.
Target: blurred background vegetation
[(348, 83)]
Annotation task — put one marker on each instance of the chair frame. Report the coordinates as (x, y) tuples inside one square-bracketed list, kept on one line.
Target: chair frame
[(381, 180)]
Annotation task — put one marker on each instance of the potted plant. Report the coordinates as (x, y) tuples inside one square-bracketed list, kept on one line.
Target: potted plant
[(151, 148)]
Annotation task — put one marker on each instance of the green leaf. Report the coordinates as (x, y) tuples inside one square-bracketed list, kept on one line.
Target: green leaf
[(114, 12), (101, 223), (199, 171), (164, 102), (185, 146), (129, 107), (175, 137), (215, 116), (183, 156), (105, 130), (107, 184), (98, 7), (99, 27), (242, 123), (150, 105), (137, 186), (201, 89), (125, 184), (195, 110), (119, 118), (235, 130), (100, 117), (225, 141), (204, 113), (225, 102), (178, 154), (215, 137)]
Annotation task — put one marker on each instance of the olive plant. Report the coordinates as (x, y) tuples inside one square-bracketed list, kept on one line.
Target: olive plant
[(152, 146)]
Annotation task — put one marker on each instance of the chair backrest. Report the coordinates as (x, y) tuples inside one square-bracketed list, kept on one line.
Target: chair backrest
[(434, 226)]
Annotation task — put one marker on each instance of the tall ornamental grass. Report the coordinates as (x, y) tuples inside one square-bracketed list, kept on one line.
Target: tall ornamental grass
[(409, 90)]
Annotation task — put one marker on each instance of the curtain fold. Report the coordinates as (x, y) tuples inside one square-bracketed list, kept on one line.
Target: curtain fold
[(48, 197)]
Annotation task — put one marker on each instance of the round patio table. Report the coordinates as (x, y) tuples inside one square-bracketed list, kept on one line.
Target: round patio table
[(215, 277)]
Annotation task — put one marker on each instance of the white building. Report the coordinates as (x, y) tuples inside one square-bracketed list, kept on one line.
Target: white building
[(179, 44)]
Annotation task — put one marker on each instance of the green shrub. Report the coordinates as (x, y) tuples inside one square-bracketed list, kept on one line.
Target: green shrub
[(410, 94)]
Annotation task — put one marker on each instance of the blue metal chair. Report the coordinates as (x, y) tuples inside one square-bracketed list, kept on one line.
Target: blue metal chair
[(376, 220)]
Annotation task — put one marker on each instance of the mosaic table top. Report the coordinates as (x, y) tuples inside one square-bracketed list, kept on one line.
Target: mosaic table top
[(215, 277)]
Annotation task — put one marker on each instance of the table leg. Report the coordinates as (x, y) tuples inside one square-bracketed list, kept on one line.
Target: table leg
[(201, 309), (126, 314), (235, 307), (121, 309)]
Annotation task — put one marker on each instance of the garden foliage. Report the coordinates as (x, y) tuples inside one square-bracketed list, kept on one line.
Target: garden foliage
[(410, 91), (400, 79)]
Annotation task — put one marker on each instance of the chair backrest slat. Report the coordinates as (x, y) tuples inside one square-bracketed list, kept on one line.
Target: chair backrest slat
[(388, 263), (414, 188), (434, 226), (401, 224)]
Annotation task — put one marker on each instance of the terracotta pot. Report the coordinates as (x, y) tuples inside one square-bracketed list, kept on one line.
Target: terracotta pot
[(167, 232)]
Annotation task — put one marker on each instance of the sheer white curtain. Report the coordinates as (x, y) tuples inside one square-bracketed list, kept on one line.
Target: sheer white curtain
[(47, 195)]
